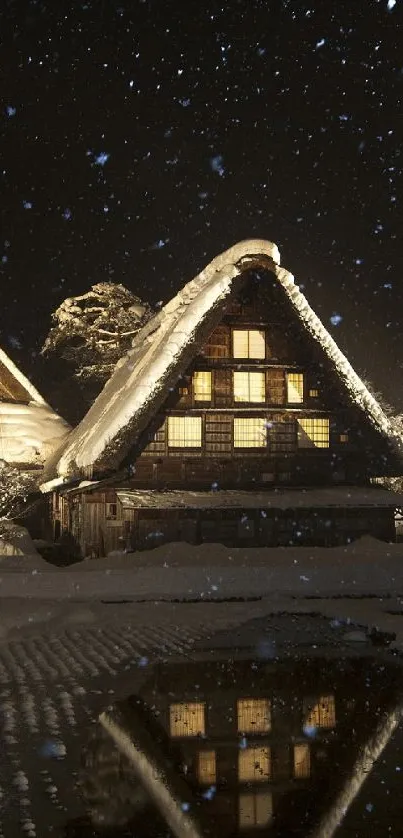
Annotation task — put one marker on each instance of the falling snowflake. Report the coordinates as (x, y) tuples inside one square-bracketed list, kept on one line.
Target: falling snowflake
[(336, 319), (216, 164), (101, 158)]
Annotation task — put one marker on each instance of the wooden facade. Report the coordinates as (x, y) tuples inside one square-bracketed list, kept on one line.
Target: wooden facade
[(259, 407)]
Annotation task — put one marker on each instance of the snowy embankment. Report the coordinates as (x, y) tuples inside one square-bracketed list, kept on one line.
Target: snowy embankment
[(212, 571)]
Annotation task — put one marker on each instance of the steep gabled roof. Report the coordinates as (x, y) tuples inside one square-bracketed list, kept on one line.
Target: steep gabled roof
[(166, 345), (29, 429)]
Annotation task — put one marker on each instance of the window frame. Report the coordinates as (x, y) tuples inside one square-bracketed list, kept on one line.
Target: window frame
[(186, 446), (249, 447), (261, 332), (249, 373), (303, 433), (288, 384), (206, 400)]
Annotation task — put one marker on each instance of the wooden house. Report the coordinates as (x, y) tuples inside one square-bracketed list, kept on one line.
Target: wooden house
[(234, 418)]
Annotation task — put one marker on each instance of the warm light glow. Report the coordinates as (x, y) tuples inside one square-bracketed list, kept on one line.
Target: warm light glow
[(320, 712), (202, 386), (206, 767), (343, 437), (254, 765), (248, 343), (295, 387), (187, 719), (314, 393), (313, 433), (255, 809), (302, 761), (184, 431), (254, 715), (250, 433), (249, 387)]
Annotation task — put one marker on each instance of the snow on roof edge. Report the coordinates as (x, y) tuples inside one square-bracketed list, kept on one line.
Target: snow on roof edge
[(21, 378), (135, 387)]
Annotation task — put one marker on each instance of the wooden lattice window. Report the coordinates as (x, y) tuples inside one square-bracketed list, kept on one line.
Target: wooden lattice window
[(255, 809), (295, 387), (254, 764), (184, 431), (302, 761), (254, 715), (249, 387), (202, 386), (313, 433), (187, 719), (250, 432), (313, 393), (248, 343), (206, 767), (320, 712)]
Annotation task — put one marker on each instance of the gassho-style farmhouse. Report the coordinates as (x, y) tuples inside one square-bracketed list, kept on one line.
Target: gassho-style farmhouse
[(234, 418)]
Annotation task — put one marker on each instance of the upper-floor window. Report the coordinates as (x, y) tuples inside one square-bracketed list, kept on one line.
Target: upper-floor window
[(206, 767), (295, 387), (187, 719), (254, 764), (248, 343), (302, 761), (320, 712), (249, 387), (184, 431), (202, 386), (250, 432), (254, 715), (313, 433)]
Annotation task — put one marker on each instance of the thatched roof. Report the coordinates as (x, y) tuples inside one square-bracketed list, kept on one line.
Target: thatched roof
[(166, 346)]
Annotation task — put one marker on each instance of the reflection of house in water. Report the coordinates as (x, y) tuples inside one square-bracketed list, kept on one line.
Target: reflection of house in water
[(263, 735)]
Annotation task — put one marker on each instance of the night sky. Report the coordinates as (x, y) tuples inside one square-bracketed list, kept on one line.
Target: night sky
[(140, 139)]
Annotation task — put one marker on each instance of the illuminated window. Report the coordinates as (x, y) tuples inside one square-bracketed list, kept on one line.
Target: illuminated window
[(184, 431), (343, 437), (313, 433), (202, 386), (111, 511), (249, 387), (302, 761), (248, 343), (314, 394), (320, 712), (254, 765), (254, 715), (187, 719), (295, 387), (206, 767), (255, 809), (250, 433)]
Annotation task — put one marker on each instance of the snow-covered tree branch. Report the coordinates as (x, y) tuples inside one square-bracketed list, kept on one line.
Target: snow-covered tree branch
[(15, 488), (92, 331)]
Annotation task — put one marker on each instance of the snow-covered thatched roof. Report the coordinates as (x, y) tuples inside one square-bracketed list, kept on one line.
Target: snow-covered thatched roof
[(166, 345), (30, 431)]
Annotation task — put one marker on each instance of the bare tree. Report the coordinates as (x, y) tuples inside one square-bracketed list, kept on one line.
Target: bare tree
[(16, 487)]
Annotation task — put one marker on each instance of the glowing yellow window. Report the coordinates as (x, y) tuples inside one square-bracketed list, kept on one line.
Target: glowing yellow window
[(343, 437), (254, 765), (248, 343), (202, 386), (249, 387), (314, 393), (187, 719), (254, 715), (313, 433), (320, 712), (184, 431), (255, 809), (295, 387), (206, 767), (250, 433), (302, 761)]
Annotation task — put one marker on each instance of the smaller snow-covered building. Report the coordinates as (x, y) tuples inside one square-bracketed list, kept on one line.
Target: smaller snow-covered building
[(30, 431), (234, 418)]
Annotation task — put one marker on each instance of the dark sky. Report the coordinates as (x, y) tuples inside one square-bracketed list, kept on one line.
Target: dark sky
[(140, 139)]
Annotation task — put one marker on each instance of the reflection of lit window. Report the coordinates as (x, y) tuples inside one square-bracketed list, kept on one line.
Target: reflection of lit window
[(255, 809), (295, 387), (254, 765), (320, 712), (206, 767), (248, 343), (184, 431), (313, 433), (254, 715), (302, 761), (187, 719), (249, 387), (202, 386), (250, 433)]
